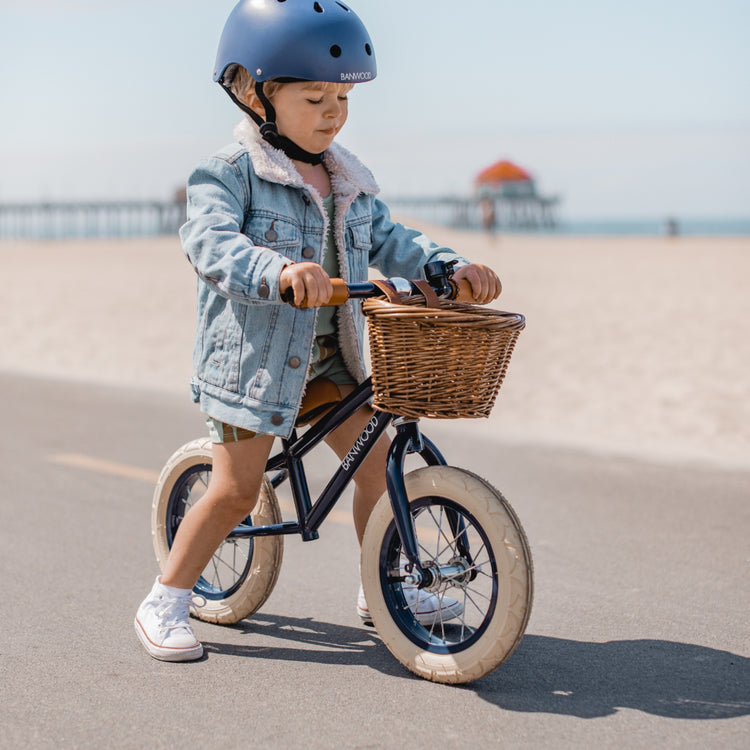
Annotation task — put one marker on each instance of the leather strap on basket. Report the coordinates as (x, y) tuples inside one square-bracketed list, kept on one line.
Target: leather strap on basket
[(431, 299), (388, 291)]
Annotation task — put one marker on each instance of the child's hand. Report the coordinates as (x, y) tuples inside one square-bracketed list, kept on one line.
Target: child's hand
[(309, 282), (485, 285)]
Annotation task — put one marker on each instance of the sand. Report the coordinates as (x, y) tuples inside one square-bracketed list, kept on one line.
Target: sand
[(633, 346)]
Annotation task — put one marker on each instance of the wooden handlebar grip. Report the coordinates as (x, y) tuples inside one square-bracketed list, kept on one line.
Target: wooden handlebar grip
[(340, 293), (339, 296)]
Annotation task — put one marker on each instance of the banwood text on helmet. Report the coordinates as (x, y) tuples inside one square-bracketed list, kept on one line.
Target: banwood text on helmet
[(293, 40)]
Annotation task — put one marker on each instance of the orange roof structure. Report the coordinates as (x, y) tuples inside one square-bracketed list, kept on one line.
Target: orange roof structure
[(502, 171)]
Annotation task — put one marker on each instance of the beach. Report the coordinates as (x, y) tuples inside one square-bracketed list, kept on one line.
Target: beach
[(633, 346)]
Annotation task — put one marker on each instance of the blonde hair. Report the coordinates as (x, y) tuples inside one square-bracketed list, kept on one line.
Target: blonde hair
[(243, 84)]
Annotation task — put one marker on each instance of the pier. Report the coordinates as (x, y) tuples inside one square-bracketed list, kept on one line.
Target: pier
[(105, 219), (507, 206), (505, 197), (518, 213)]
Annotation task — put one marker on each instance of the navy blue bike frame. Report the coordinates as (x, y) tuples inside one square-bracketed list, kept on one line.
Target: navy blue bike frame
[(288, 464)]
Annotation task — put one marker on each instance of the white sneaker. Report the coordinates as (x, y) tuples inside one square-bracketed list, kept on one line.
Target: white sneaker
[(427, 608), (163, 627)]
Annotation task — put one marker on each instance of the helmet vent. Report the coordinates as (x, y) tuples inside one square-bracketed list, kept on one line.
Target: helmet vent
[(368, 49), (318, 8), (344, 7), (335, 51)]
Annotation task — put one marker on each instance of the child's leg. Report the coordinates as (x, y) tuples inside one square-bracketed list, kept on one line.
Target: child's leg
[(236, 477), (369, 481), (369, 487)]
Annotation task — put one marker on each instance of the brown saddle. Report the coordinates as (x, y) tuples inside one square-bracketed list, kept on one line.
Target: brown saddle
[(321, 395)]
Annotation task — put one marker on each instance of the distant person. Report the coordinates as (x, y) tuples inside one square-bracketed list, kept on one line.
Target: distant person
[(488, 214), (283, 208), (672, 227)]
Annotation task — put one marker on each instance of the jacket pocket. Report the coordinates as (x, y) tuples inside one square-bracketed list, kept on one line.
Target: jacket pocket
[(267, 229), (360, 236)]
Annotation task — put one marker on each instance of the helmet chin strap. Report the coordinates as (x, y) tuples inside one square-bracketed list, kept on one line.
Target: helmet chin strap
[(268, 130)]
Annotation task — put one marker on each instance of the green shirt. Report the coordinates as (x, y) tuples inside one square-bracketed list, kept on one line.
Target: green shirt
[(326, 320), (326, 325)]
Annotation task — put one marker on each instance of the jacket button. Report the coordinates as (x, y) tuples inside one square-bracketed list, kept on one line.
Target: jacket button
[(264, 290), (272, 235), (308, 252), (277, 420), (294, 362)]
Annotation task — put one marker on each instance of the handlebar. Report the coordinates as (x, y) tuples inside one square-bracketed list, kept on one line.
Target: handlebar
[(438, 274)]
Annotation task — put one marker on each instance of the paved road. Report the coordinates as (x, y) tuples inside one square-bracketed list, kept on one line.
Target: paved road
[(638, 638)]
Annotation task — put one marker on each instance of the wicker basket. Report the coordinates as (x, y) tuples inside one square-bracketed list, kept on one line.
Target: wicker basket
[(442, 362)]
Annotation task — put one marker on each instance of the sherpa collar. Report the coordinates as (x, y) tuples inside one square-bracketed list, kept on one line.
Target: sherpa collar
[(349, 177)]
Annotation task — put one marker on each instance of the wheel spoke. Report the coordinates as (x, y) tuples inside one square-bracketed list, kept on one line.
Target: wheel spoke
[(480, 610), (439, 546), (216, 580), (439, 526), (440, 532), (218, 559), (424, 549)]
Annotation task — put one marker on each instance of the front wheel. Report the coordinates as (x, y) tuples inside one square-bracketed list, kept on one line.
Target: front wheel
[(473, 544), (243, 571)]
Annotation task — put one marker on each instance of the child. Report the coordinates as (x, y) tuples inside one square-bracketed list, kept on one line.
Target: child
[(285, 208)]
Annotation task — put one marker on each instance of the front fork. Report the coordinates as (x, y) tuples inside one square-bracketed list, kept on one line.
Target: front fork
[(409, 439)]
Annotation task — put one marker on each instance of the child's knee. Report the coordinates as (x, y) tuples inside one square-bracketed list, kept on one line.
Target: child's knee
[(237, 502)]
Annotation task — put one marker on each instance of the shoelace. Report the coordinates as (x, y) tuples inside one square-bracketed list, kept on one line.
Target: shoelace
[(174, 613)]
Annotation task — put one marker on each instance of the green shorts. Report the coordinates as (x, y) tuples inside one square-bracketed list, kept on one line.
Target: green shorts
[(221, 432), (332, 368)]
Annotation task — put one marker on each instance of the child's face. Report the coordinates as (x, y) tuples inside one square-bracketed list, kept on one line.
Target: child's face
[(311, 115)]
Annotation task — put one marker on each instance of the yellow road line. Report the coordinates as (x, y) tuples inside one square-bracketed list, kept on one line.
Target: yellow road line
[(113, 468), (89, 463)]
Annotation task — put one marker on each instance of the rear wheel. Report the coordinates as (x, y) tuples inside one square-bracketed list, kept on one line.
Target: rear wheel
[(243, 571), (476, 550)]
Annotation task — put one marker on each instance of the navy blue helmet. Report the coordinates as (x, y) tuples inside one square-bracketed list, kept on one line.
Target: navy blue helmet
[(311, 40)]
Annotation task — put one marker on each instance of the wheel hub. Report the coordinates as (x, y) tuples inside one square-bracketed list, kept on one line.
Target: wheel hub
[(458, 572)]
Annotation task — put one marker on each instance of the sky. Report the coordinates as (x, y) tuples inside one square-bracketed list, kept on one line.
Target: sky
[(624, 109)]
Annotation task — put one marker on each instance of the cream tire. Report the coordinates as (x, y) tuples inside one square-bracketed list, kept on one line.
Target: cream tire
[(256, 562), (504, 570)]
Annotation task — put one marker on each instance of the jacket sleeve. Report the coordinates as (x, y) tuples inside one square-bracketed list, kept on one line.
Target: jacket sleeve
[(400, 251), (212, 238)]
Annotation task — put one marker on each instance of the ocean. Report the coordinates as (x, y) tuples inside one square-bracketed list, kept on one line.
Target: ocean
[(689, 227), (540, 217)]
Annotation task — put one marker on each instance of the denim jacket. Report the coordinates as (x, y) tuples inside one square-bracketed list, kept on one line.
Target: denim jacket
[(249, 215)]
